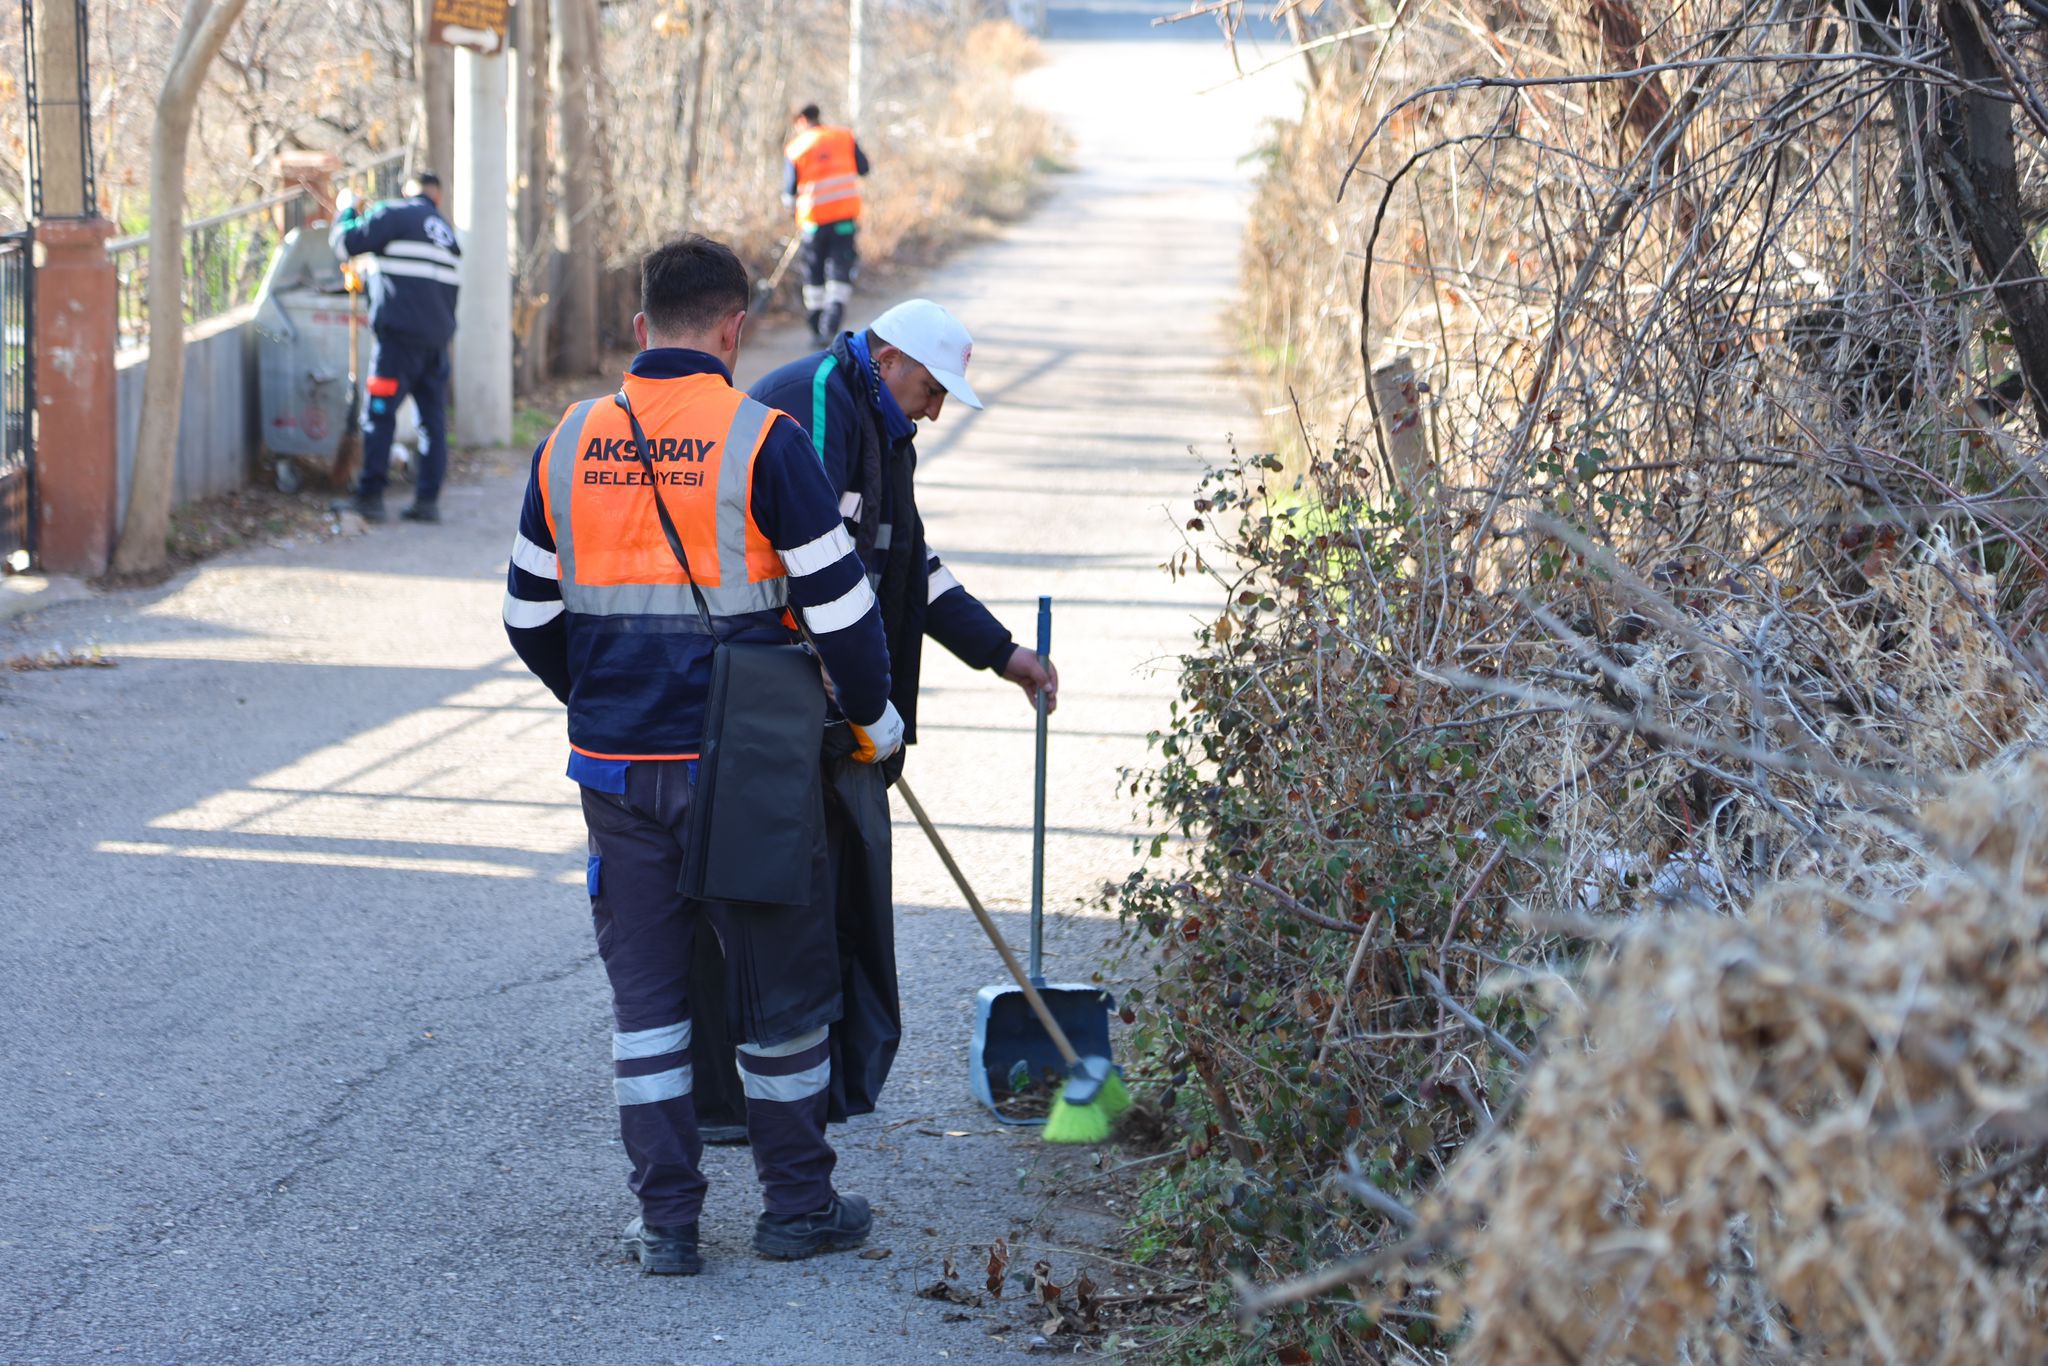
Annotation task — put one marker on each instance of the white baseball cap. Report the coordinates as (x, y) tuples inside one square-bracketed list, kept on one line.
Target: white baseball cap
[(934, 338)]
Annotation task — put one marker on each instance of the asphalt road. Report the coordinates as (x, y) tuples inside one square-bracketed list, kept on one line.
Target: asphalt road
[(305, 1050)]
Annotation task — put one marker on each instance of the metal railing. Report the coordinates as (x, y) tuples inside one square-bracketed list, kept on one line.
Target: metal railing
[(225, 257), (386, 176), (17, 396), (227, 253)]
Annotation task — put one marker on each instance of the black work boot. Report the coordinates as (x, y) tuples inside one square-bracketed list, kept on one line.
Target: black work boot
[(368, 507), (664, 1249), (423, 512), (840, 1225)]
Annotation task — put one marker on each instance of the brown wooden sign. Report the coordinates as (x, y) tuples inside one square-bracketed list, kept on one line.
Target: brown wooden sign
[(479, 25)]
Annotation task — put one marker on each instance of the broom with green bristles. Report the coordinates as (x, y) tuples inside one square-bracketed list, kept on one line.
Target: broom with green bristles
[(1094, 1094)]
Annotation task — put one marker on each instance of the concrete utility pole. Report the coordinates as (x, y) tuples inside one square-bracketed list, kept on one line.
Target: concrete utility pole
[(573, 30), (436, 64), (483, 220)]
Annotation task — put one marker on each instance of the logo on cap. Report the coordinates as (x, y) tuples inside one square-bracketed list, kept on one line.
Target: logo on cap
[(966, 354)]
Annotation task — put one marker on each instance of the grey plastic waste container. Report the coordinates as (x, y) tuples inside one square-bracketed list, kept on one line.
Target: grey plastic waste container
[(305, 399)]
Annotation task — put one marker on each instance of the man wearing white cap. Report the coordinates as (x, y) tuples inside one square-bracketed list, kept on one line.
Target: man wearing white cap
[(859, 401)]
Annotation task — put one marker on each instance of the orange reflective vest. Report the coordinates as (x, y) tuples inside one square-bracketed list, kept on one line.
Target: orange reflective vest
[(703, 435), (827, 176)]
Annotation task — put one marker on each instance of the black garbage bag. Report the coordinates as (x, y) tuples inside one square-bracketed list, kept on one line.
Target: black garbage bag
[(870, 1027)]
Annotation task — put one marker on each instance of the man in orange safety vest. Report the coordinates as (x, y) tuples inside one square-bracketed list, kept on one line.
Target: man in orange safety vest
[(821, 181)]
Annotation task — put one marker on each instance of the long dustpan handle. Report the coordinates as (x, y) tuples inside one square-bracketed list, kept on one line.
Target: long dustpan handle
[(1038, 806), (995, 936)]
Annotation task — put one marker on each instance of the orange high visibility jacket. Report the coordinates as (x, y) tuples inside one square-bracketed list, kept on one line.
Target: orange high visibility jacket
[(616, 564), (827, 175), (703, 435), (598, 608)]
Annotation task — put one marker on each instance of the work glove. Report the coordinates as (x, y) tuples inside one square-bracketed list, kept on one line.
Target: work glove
[(877, 740), (345, 207)]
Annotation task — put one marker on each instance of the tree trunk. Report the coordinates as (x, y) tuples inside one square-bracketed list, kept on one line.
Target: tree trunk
[(856, 59), (1981, 174), (1607, 35), (437, 99), (144, 532), (576, 172), (535, 247), (693, 157)]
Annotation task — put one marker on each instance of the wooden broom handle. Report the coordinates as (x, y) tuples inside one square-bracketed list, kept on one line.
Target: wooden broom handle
[(995, 936)]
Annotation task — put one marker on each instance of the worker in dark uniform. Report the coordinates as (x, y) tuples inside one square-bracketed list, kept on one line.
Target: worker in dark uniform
[(417, 271), (599, 607), (860, 402), (821, 181)]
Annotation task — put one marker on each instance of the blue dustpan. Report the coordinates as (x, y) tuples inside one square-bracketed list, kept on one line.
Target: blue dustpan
[(1011, 1049), (1007, 1036)]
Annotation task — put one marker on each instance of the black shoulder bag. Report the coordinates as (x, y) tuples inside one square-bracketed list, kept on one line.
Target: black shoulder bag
[(757, 815)]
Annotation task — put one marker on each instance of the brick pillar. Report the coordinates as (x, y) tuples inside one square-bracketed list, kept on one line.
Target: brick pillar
[(77, 470)]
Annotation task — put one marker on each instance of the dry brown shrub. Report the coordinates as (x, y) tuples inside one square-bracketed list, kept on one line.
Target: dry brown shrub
[(1711, 550), (1786, 1134)]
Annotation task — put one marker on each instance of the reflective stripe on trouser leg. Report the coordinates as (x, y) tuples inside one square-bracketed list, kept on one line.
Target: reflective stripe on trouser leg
[(838, 291), (788, 1088), (814, 297), (378, 417), (646, 932), (651, 1065)]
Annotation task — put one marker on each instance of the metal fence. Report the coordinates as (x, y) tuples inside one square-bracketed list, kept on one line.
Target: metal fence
[(227, 253), (17, 399)]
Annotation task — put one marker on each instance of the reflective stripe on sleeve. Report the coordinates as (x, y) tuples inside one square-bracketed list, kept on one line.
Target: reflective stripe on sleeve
[(843, 611), (524, 616), (826, 551), (940, 583), (651, 1043), (677, 1081), (849, 506), (542, 564)]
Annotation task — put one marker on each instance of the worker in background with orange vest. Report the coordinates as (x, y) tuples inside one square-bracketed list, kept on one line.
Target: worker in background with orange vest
[(822, 182), (599, 605)]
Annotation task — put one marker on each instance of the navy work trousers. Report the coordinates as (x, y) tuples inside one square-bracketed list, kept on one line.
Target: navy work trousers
[(400, 366), (646, 930), (831, 265)]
